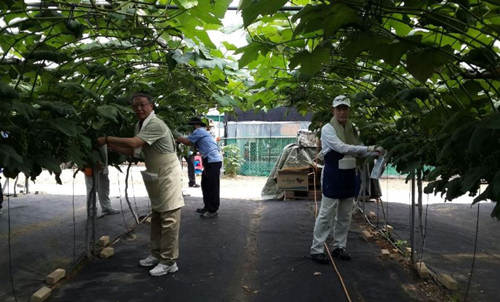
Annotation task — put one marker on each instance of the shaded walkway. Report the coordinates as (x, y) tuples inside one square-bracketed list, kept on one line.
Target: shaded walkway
[(255, 251)]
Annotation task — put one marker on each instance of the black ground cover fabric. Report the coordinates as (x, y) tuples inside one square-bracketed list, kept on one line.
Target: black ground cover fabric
[(211, 257), (286, 272), (43, 238), (449, 247), (255, 251)]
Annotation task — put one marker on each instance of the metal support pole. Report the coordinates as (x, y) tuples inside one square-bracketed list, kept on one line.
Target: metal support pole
[(412, 231), (420, 211), (91, 216), (26, 185), (15, 185), (94, 209), (368, 181), (364, 186)]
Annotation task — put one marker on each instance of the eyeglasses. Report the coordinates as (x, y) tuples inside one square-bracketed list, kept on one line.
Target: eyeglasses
[(140, 105)]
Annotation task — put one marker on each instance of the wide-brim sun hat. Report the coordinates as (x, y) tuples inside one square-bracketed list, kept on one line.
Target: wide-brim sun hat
[(196, 121)]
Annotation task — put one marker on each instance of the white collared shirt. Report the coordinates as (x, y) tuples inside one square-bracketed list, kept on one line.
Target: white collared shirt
[(330, 141)]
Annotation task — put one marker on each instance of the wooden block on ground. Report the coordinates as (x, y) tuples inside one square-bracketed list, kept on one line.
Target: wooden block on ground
[(408, 250), (389, 229), (130, 237), (103, 241), (41, 295), (422, 270), (367, 236), (448, 281), (395, 251), (55, 276), (386, 254), (107, 252)]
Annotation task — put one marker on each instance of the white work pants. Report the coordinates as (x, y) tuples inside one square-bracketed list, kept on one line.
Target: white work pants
[(334, 213), (102, 183)]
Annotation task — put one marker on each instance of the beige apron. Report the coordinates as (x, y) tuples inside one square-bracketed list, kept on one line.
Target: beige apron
[(162, 179)]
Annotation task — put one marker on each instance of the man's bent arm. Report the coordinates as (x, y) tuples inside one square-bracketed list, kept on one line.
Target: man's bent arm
[(184, 140), (122, 150), (330, 140), (126, 142)]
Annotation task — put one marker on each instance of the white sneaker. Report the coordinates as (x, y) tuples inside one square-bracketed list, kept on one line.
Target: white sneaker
[(150, 261), (162, 269)]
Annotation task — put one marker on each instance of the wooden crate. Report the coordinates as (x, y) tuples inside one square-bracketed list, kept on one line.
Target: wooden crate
[(301, 195)]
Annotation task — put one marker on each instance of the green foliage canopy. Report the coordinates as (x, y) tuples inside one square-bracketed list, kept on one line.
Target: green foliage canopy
[(423, 76), (68, 68)]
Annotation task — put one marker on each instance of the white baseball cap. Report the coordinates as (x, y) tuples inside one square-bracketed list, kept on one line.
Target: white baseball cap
[(341, 100)]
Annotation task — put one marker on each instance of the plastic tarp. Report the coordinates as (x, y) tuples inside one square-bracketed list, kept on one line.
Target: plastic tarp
[(293, 156)]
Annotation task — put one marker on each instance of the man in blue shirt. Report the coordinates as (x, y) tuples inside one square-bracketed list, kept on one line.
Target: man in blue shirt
[(212, 163)]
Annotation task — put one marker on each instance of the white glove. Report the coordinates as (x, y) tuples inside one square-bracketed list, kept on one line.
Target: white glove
[(320, 156), (370, 149), (380, 150)]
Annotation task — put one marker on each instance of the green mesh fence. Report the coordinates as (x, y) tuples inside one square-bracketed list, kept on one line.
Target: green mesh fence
[(259, 154), (390, 171)]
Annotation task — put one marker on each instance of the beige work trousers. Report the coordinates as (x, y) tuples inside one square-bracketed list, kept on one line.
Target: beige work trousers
[(165, 235), (334, 217)]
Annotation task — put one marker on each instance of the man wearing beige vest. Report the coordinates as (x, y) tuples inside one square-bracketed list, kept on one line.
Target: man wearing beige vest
[(162, 179), (340, 145)]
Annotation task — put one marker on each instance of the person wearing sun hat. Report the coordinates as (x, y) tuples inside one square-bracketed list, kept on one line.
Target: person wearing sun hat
[(154, 142), (212, 163), (340, 143)]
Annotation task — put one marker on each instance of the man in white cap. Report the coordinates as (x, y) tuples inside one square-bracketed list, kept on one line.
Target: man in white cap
[(340, 143), (162, 178)]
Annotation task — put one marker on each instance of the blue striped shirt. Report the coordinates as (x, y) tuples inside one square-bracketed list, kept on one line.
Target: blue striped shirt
[(205, 143)]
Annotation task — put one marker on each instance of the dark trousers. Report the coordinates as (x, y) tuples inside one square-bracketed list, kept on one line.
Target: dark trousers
[(210, 185), (190, 166)]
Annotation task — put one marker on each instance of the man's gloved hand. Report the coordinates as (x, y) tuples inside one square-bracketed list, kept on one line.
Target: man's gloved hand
[(320, 156), (175, 134), (371, 149), (380, 150)]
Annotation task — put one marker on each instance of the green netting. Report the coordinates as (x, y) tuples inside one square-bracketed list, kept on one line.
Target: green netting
[(259, 154)]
